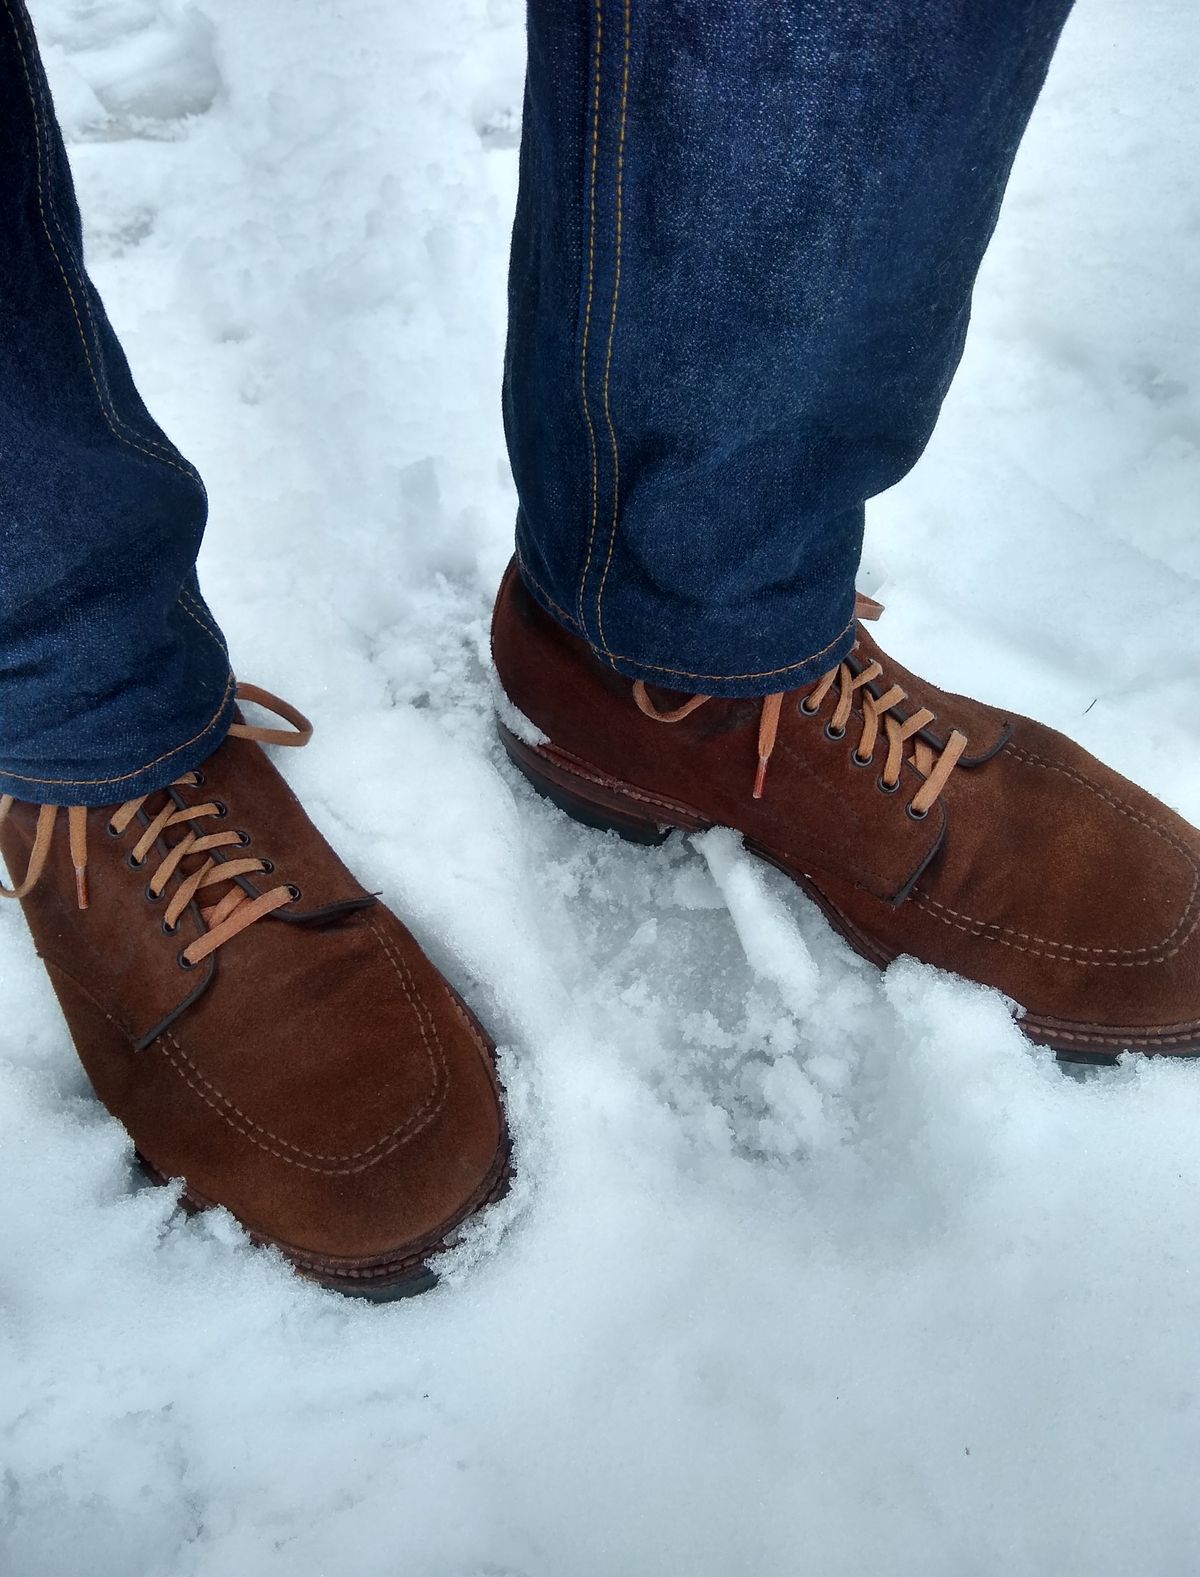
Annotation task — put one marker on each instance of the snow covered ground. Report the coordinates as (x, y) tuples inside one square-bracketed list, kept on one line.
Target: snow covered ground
[(807, 1271)]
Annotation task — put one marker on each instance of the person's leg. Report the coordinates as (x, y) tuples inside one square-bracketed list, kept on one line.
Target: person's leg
[(263, 1026), (745, 244), (113, 674), (742, 268)]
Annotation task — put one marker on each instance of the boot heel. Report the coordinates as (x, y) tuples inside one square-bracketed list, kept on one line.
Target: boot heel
[(584, 801)]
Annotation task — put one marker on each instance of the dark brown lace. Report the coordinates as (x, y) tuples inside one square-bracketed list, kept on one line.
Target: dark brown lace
[(878, 720), (229, 914)]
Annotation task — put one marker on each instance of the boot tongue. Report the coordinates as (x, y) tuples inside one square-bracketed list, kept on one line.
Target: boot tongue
[(262, 806), (987, 730), (187, 797)]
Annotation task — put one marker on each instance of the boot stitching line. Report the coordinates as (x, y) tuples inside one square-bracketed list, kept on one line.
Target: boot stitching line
[(587, 313), (612, 330)]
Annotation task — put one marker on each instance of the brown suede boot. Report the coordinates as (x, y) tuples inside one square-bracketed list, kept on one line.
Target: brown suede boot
[(263, 1026), (922, 823)]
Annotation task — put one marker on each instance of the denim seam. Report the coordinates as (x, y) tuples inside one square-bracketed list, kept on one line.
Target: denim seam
[(106, 408), (156, 449), (200, 615), (201, 625), (761, 673), (123, 777), (587, 311), (612, 329), (527, 574), (683, 673)]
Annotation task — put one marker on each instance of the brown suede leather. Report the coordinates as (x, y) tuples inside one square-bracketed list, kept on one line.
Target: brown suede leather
[(315, 1074), (1039, 870)]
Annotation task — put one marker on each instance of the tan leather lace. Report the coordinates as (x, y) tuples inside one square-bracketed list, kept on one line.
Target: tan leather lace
[(878, 720), (231, 913)]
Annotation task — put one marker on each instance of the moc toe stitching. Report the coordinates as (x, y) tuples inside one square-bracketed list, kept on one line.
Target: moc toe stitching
[(1183, 1033), (1068, 952), (327, 1164), (1055, 948), (245, 1125), (1152, 824)]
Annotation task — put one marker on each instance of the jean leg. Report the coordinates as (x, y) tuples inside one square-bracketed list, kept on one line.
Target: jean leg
[(746, 239), (114, 677)]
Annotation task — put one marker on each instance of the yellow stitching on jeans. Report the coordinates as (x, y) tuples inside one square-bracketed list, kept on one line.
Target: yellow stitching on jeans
[(762, 673), (156, 451), (183, 608), (612, 329), (20, 777), (587, 312), (37, 133), (163, 451), (200, 615), (527, 574)]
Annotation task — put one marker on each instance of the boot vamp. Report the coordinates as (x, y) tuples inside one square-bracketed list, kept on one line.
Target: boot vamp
[(314, 1073), (329, 1088), (1060, 882)]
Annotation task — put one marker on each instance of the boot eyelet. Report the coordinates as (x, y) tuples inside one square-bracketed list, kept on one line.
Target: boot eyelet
[(860, 761), (244, 839), (295, 892), (134, 864), (915, 815), (185, 962), (834, 733), (220, 808), (809, 711), (885, 787), (199, 777), (111, 830), (153, 897), (168, 929), (268, 866)]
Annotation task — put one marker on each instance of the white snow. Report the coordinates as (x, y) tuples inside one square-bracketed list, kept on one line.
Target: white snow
[(807, 1270)]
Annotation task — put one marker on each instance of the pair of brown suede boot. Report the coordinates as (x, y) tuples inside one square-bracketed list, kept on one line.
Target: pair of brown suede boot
[(269, 1032)]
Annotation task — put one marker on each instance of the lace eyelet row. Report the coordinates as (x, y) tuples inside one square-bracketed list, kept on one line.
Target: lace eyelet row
[(858, 760)]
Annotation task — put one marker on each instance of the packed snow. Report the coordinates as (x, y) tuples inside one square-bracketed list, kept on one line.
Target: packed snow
[(806, 1270)]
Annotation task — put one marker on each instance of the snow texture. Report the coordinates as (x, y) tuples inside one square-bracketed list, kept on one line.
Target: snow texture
[(806, 1270)]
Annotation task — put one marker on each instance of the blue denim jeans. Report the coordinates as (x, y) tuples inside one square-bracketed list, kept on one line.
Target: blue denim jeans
[(746, 239), (744, 248), (114, 678)]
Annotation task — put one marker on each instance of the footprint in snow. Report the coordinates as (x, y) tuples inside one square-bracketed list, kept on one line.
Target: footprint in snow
[(134, 68)]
